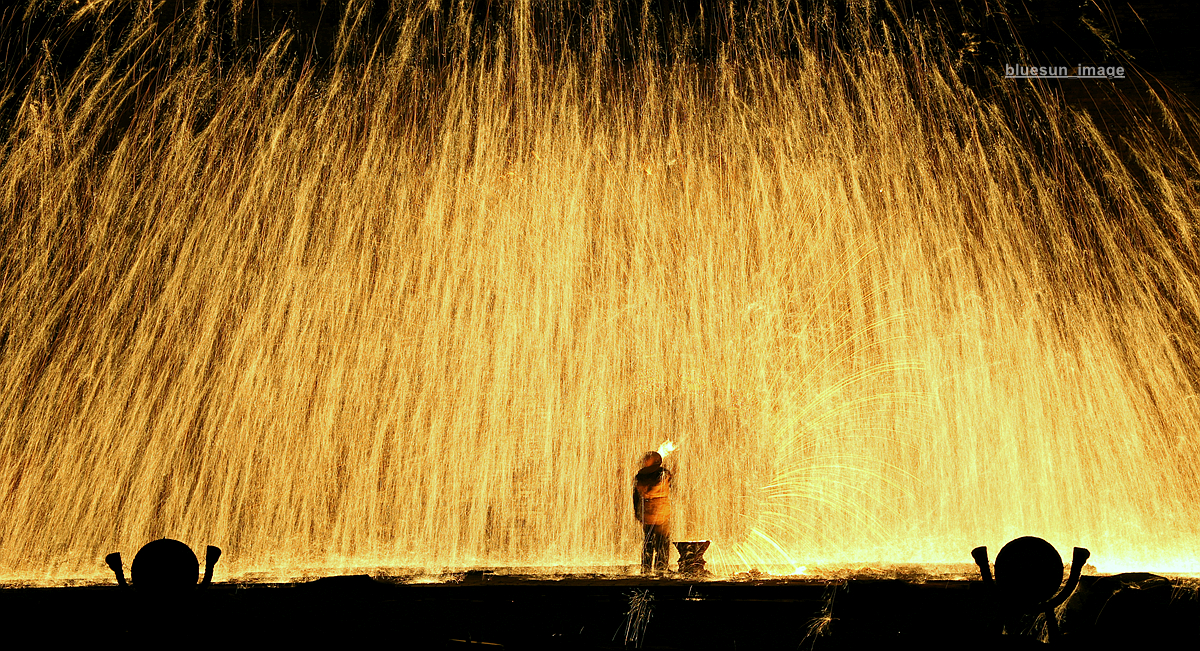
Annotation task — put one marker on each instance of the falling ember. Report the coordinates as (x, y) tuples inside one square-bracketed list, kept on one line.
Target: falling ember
[(384, 311), (666, 448)]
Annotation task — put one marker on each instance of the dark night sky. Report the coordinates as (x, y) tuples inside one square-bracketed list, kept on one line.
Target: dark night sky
[(1155, 37), (1156, 40)]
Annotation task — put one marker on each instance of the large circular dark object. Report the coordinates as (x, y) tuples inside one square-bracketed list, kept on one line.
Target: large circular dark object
[(165, 566), (1029, 570)]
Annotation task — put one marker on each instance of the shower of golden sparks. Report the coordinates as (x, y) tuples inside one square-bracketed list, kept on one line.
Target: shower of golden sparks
[(383, 313)]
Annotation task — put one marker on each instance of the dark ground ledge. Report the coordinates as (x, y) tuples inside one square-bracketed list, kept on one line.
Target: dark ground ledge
[(1122, 611)]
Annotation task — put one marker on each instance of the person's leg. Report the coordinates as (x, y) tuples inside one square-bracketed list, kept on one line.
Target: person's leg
[(662, 547), (647, 547)]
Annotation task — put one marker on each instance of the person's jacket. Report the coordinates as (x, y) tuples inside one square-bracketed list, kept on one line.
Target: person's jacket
[(651, 495)]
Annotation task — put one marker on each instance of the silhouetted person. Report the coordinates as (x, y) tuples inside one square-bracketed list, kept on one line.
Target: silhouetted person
[(165, 567), (652, 508), (164, 601), (1029, 573)]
